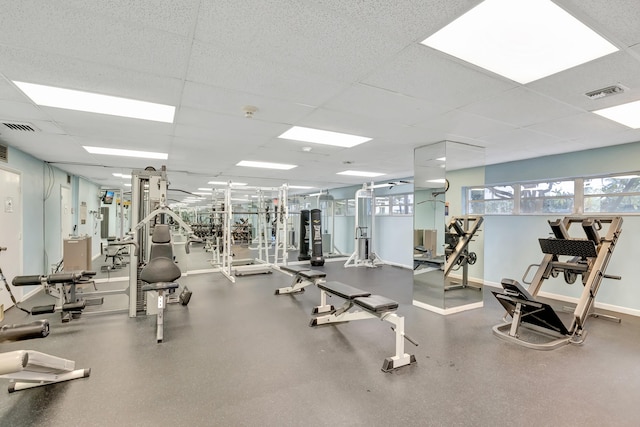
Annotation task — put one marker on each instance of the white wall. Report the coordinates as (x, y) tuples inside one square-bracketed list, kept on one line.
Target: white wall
[(89, 193)]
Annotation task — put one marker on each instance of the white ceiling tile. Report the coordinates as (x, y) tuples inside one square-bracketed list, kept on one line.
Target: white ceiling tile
[(520, 107), (424, 73), (50, 27), (579, 126), (463, 124), (24, 111), (232, 103)]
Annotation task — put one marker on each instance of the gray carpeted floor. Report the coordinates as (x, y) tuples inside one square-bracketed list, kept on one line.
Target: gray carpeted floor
[(240, 356)]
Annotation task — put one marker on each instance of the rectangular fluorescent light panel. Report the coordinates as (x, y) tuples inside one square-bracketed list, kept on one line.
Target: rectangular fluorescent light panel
[(626, 114), (442, 159), (225, 183), (522, 40), (126, 153), (50, 96), (300, 187), (121, 175), (317, 136), (265, 165), (437, 181), (360, 173)]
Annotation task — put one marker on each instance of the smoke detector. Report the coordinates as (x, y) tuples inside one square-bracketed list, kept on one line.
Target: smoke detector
[(249, 110), (607, 91)]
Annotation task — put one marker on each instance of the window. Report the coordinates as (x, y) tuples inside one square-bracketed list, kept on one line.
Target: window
[(547, 197), (494, 200), (382, 205), (402, 204), (340, 208), (612, 194), (604, 194)]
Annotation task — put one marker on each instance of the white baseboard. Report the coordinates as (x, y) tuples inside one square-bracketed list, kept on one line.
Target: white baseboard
[(31, 293), (447, 311)]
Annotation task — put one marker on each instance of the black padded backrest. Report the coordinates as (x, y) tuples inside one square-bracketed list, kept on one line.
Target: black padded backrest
[(161, 234), (161, 250)]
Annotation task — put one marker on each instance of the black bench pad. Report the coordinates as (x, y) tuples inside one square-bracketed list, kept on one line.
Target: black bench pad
[(312, 274), (64, 277), (376, 303), (343, 291), (293, 268), (159, 286)]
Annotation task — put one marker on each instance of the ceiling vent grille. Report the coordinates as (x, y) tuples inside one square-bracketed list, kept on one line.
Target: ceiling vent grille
[(20, 127), (4, 153), (607, 91)]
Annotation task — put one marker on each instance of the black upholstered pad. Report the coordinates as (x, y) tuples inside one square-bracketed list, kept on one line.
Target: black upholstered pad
[(26, 280), (570, 247), (64, 277), (312, 274), (161, 234), (343, 291), (161, 286), (293, 268), (160, 270), (376, 303)]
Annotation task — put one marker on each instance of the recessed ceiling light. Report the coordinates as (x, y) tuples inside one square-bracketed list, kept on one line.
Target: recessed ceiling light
[(50, 96), (360, 173), (265, 165), (626, 114), (442, 159), (522, 40), (126, 153), (127, 185), (298, 133), (121, 175), (300, 187), (226, 183)]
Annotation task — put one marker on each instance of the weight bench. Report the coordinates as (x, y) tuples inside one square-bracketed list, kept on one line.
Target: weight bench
[(374, 307), (302, 277), (28, 369)]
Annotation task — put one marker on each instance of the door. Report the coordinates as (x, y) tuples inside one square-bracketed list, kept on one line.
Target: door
[(10, 232)]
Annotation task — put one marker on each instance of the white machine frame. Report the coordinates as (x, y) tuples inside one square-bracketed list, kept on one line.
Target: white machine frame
[(366, 196)]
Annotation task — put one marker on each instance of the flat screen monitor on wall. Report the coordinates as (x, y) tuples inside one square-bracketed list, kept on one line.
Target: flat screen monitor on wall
[(107, 199)]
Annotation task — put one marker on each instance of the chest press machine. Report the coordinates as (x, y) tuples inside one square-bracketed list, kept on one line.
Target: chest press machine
[(535, 324)]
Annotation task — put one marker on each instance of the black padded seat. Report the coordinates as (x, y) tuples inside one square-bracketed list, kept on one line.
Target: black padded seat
[(160, 270), (160, 286), (376, 303), (343, 291), (293, 268), (26, 280), (312, 274)]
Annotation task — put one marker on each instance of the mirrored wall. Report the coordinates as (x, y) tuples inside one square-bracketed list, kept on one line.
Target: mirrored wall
[(447, 242)]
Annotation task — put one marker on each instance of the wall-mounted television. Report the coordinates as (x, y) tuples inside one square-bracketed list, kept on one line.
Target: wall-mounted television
[(107, 199)]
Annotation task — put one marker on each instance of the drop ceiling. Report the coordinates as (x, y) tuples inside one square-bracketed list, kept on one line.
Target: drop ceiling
[(352, 67)]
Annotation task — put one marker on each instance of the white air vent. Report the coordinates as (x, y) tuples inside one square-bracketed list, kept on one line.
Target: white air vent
[(19, 126), (607, 91), (4, 153)]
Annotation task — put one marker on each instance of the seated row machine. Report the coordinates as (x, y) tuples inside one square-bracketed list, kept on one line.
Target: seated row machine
[(590, 257)]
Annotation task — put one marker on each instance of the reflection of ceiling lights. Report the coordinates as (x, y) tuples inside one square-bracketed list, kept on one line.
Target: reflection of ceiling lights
[(50, 96), (325, 137), (233, 184), (522, 40), (442, 159), (265, 165), (626, 114), (360, 173), (437, 181), (300, 187), (121, 175)]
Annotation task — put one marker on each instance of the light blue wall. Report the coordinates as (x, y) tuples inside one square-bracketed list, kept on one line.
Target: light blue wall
[(511, 241), (89, 193)]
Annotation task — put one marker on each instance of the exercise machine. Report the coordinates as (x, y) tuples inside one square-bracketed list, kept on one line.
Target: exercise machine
[(460, 232), (302, 277), (535, 324), (364, 230), (63, 287)]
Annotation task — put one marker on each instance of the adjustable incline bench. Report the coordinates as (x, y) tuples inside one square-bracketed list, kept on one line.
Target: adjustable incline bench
[(375, 307), (302, 277)]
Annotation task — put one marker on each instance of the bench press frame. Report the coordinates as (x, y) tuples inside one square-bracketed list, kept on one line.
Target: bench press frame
[(342, 314)]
